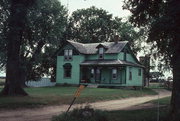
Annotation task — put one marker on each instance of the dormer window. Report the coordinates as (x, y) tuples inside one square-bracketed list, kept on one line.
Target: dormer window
[(68, 54), (101, 53)]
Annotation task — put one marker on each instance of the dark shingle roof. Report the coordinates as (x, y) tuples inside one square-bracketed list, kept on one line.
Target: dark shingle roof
[(91, 48), (112, 62)]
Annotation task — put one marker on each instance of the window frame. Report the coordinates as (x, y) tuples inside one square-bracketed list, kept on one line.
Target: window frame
[(101, 54), (68, 54), (92, 73), (98, 74), (65, 72), (114, 74)]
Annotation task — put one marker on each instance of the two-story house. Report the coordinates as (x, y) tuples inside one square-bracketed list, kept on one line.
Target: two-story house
[(105, 64)]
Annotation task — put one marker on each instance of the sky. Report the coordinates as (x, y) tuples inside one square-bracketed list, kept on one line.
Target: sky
[(112, 6)]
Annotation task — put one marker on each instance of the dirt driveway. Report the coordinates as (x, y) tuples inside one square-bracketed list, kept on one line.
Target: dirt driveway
[(45, 113)]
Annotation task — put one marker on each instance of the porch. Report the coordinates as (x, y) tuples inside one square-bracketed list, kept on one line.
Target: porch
[(103, 75)]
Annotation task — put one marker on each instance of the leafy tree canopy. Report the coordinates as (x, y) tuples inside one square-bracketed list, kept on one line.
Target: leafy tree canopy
[(162, 20), (160, 17), (97, 25), (44, 30)]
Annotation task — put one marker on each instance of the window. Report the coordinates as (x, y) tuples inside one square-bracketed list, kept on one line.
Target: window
[(114, 73), (101, 53), (139, 72), (68, 54), (92, 73), (98, 74), (67, 70), (130, 73)]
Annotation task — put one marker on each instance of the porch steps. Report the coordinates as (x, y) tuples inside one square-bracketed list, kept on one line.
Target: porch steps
[(92, 85)]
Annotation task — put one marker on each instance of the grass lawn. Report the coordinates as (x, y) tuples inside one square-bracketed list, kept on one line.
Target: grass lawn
[(64, 95), (138, 115), (143, 114), (133, 115)]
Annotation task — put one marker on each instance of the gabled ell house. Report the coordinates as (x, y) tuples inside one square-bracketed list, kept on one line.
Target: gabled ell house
[(105, 64)]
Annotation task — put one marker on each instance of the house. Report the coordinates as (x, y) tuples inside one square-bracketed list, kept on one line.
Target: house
[(105, 64)]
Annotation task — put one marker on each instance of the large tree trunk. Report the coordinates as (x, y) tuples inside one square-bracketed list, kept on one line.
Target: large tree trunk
[(17, 19), (175, 99)]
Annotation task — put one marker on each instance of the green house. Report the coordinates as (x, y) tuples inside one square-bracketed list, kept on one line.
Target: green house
[(104, 64)]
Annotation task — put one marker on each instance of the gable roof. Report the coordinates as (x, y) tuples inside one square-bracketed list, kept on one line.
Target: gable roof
[(91, 48)]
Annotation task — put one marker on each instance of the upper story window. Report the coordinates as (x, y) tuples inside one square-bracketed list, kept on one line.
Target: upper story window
[(68, 54), (114, 73), (101, 53)]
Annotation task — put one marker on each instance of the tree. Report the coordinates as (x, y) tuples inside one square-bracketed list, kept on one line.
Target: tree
[(161, 18), (44, 34), (91, 25), (4, 13), (97, 25), (41, 34), (16, 24), (128, 32)]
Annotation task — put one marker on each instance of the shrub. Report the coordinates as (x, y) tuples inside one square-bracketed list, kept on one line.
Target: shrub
[(82, 114)]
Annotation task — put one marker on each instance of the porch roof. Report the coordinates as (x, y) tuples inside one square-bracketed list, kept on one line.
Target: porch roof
[(109, 62)]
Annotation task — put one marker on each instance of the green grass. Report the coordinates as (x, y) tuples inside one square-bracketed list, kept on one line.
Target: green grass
[(142, 114), (162, 101), (133, 115), (64, 95), (138, 115)]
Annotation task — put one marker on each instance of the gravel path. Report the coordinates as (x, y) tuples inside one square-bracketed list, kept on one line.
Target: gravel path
[(45, 113)]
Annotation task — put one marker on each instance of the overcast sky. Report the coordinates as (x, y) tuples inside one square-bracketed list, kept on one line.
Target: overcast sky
[(112, 6)]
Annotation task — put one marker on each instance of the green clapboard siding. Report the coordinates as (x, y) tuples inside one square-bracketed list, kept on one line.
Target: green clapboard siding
[(75, 74), (130, 58), (106, 56), (136, 79), (121, 56)]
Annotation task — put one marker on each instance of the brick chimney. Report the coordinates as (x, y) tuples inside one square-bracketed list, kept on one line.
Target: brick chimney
[(116, 38)]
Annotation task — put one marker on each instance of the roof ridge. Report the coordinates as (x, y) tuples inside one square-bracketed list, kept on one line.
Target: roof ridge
[(94, 42)]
